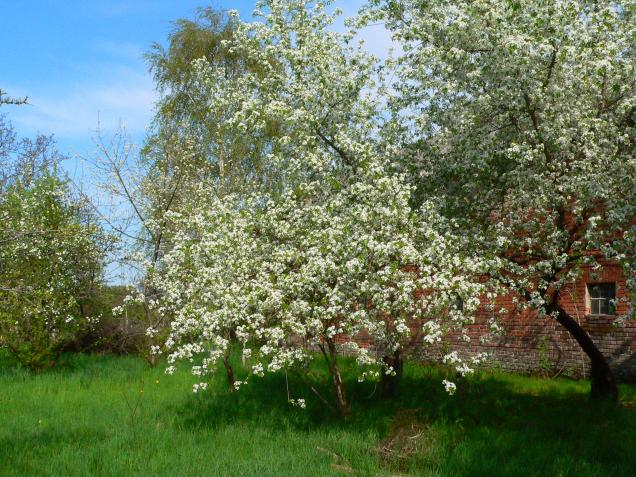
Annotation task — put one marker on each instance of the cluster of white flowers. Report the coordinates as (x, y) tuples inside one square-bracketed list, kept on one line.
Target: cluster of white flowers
[(298, 403), (340, 251), (449, 386)]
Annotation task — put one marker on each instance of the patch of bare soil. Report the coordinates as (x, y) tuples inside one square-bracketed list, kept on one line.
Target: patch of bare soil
[(409, 435)]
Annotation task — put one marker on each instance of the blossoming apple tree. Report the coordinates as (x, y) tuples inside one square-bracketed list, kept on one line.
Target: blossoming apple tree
[(338, 251), (311, 270), (522, 121)]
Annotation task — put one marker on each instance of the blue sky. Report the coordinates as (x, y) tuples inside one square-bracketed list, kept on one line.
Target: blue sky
[(77, 60), (80, 60)]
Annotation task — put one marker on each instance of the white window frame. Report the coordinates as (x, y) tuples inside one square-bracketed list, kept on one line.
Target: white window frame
[(597, 303)]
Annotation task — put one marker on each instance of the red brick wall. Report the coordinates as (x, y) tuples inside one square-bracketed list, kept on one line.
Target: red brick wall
[(540, 345)]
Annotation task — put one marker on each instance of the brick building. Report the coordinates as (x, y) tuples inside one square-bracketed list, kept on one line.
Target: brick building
[(541, 345)]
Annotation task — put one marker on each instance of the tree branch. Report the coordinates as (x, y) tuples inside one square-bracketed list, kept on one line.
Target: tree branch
[(333, 146)]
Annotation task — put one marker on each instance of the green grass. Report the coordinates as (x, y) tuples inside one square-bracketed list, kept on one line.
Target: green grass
[(104, 415)]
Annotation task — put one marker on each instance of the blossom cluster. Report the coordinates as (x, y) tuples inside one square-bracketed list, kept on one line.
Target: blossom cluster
[(523, 120)]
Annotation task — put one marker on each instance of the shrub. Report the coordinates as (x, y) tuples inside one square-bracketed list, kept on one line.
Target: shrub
[(50, 260)]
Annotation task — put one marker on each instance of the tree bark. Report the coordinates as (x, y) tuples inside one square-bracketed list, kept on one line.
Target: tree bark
[(389, 383), (339, 389), (341, 399), (229, 371), (603, 382)]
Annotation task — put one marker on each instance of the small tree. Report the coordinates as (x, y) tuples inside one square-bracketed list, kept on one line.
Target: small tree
[(340, 250), (50, 260), (312, 270)]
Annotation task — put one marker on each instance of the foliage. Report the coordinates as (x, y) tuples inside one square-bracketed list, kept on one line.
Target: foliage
[(234, 161), (115, 333), (51, 252), (49, 262)]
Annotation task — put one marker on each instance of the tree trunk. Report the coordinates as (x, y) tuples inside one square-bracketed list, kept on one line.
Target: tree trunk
[(229, 371), (389, 383), (341, 399), (339, 389), (603, 383)]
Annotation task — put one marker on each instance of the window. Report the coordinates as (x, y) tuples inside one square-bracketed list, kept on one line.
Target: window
[(458, 304), (602, 298)]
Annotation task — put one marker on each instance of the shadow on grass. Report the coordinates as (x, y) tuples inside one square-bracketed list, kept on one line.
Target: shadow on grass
[(41, 439), (494, 425), (71, 365)]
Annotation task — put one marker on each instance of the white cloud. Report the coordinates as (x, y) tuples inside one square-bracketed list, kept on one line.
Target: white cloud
[(119, 95)]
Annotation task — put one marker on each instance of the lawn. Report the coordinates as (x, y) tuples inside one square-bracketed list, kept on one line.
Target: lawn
[(113, 416)]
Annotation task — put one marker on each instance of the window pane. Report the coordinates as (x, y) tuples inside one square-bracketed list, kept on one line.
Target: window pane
[(458, 304), (595, 291), (602, 296)]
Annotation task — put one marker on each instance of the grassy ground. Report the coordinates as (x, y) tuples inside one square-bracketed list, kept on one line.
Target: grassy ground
[(113, 416)]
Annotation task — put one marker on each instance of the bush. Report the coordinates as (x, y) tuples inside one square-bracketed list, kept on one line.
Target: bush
[(113, 333), (50, 260)]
